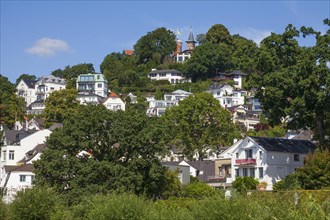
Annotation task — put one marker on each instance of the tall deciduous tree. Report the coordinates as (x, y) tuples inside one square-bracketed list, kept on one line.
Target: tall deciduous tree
[(100, 151), (155, 46), (12, 108), (294, 81), (199, 123), (218, 33), (208, 60), (60, 105)]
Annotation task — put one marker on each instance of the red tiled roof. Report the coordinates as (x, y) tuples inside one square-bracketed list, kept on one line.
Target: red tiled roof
[(114, 95), (128, 52)]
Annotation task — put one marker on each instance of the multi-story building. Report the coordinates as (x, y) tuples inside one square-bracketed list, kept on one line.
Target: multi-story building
[(171, 75), (46, 85), (237, 76), (35, 92), (26, 89), (266, 159), (94, 83), (158, 107)]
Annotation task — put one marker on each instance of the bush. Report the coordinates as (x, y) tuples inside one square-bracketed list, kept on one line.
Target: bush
[(242, 184), (36, 203), (198, 190)]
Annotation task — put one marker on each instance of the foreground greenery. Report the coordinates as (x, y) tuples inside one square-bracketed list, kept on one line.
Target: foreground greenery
[(44, 204)]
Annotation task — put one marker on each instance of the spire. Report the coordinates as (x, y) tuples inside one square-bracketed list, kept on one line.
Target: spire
[(191, 37)]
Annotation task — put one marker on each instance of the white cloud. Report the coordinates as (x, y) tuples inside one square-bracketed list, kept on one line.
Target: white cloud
[(47, 47), (254, 34)]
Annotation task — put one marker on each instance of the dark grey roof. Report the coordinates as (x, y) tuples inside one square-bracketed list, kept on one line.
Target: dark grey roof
[(237, 72), (172, 163), (30, 83), (32, 153), (216, 86), (14, 136), (191, 37), (55, 126), (207, 166), (285, 145), (166, 71)]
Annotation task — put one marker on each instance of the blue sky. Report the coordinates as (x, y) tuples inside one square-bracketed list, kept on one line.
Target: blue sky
[(38, 37)]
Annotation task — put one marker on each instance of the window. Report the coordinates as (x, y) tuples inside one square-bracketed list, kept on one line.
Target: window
[(237, 172), (162, 74), (245, 171), (296, 157), (22, 178), (98, 76), (260, 154), (4, 153), (99, 85), (248, 153), (236, 155), (252, 174), (11, 155), (261, 172)]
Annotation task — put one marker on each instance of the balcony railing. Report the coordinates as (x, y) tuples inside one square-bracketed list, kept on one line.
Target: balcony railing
[(245, 161), (218, 178)]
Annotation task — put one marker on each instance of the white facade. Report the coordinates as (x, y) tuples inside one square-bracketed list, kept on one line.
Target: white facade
[(248, 158), (158, 107), (95, 83), (15, 172), (173, 76), (114, 102), (246, 117), (26, 89), (226, 95), (46, 85)]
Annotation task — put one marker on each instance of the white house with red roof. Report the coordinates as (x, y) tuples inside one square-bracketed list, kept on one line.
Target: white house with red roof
[(113, 102)]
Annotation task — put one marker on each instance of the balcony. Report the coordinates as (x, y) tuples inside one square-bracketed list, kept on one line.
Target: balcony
[(217, 178), (245, 161)]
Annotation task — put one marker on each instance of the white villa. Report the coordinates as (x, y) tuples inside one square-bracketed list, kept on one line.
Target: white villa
[(113, 102), (266, 159), (171, 75), (35, 92), (93, 83), (158, 107), (20, 149)]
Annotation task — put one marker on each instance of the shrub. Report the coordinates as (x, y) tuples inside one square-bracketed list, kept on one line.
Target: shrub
[(198, 190), (242, 184), (36, 203)]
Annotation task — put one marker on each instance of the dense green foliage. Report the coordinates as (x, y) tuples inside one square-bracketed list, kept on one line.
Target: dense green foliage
[(36, 203), (314, 175), (242, 184), (294, 81), (12, 108), (155, 46), (259, 205), (100, 151), (60, 105), (198, 124)]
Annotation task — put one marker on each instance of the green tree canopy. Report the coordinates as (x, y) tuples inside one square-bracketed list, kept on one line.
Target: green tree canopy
[(12, 108), (199, 123), (155, 46), (61, 105), (25, 76), (294, 81), (218, 33), (100, 151), (208, 60)]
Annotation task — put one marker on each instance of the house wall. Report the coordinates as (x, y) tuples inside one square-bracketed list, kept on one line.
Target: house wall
[(114, 104), (15, 184), (274, 166), (184, 172), (27, 93)]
